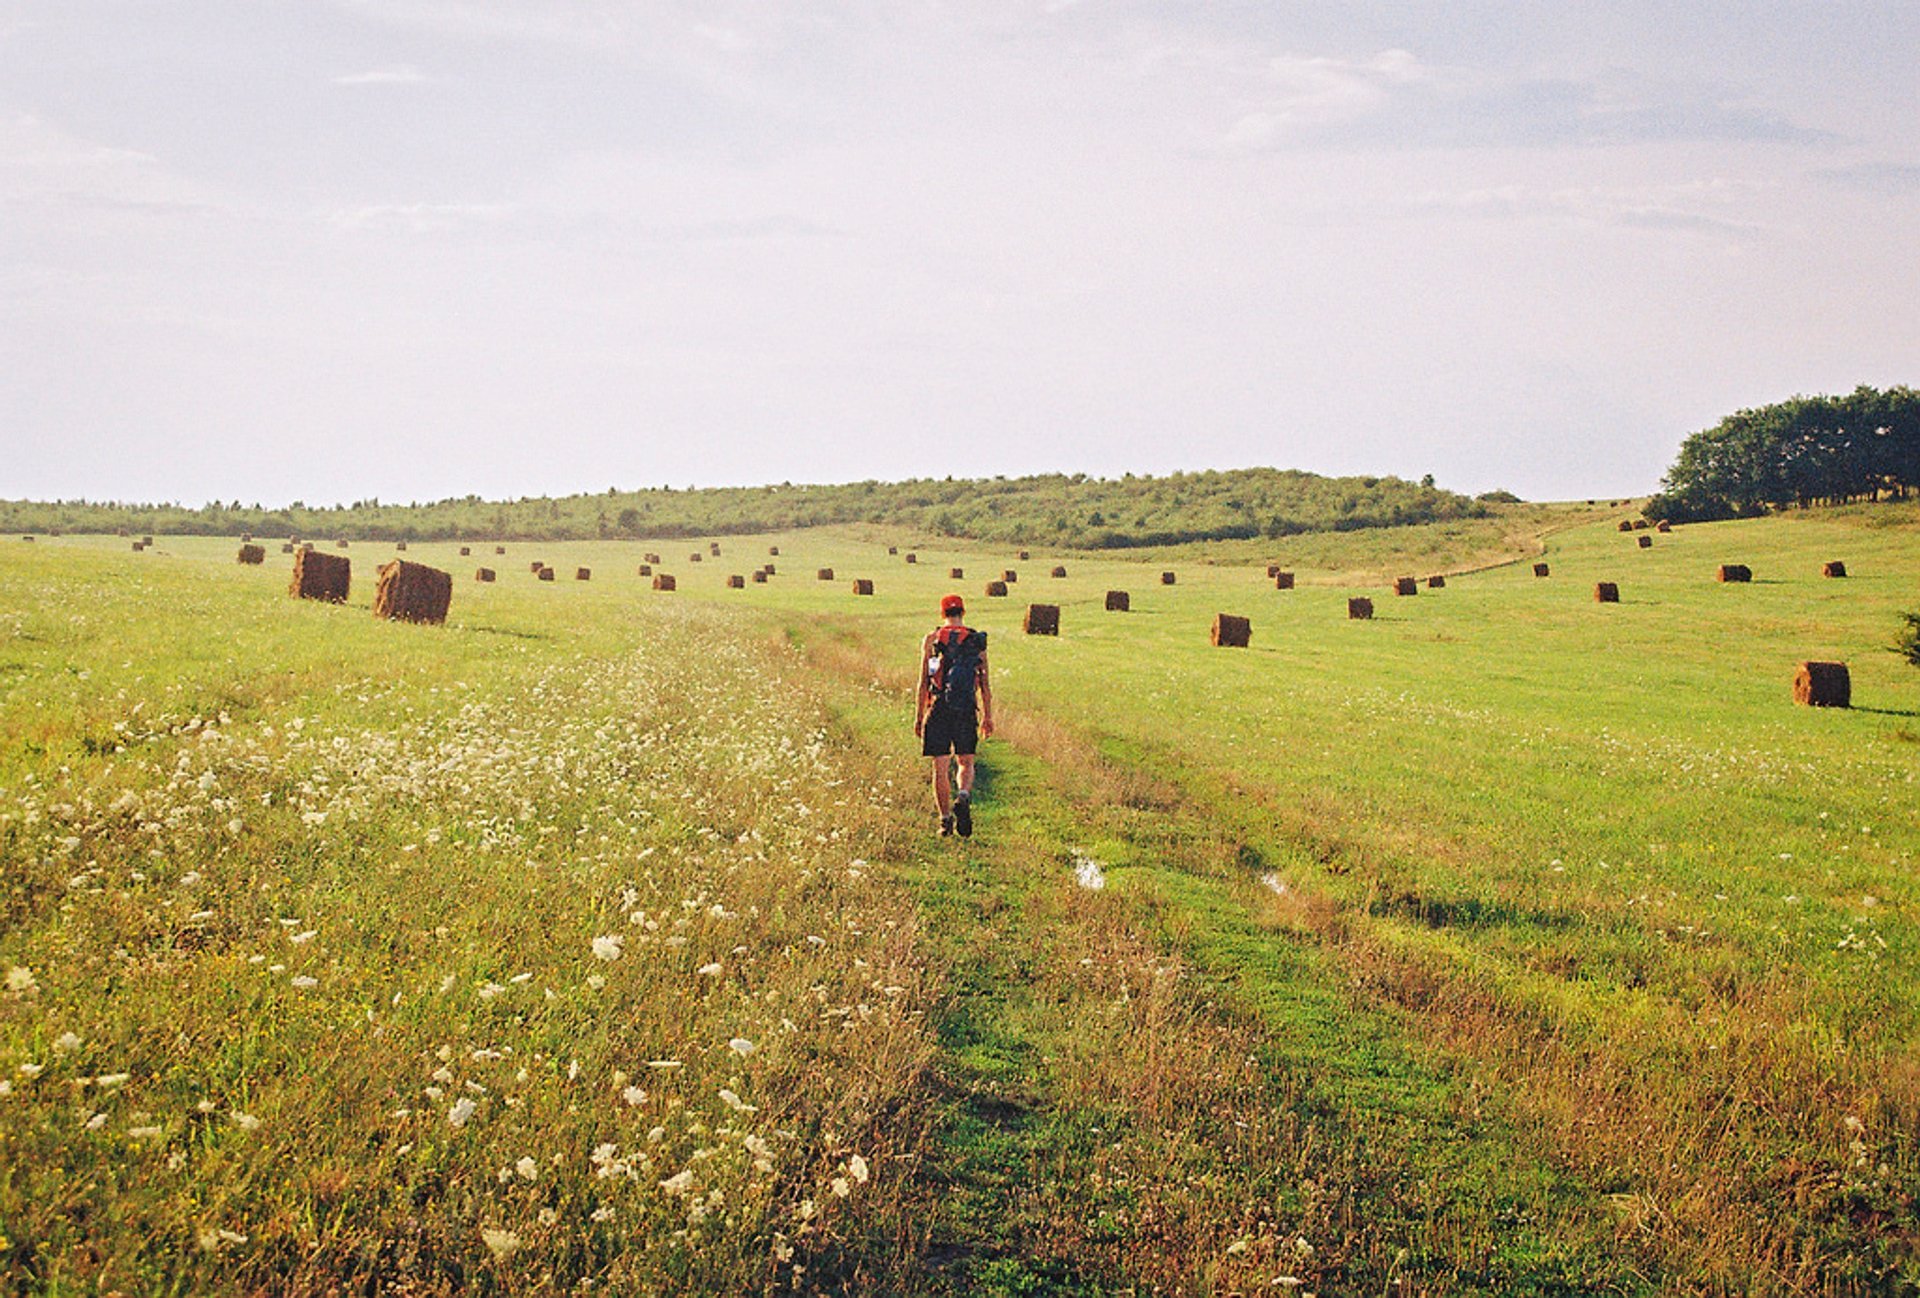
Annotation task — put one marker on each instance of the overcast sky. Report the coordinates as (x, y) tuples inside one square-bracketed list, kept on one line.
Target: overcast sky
[(329, 249)]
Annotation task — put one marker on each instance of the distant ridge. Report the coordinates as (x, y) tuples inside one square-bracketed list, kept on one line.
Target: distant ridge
[(1072, 511)]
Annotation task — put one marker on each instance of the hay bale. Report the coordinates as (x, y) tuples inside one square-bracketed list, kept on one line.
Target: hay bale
[(252, 554), (465, 550), (893, 549), (824, 574), (286, 547), (536, 566), (767, 568), (341, 544), (1405, 586), (912, 557), (148, 539), (483, 574), (1010, 576), (307, 546), (1118, 601), (1646, 542), (761, 577), (1024, 556), (1041, 619), (1359, 608), (663, 581), (774, 550), (246, 538), (646, 570), (1231, 632), (26, 538), (317, 575), (1606, 592), (1283, 580), (862, 586), (651, 558), (738, 581), (1541, 570), (138, 546), (1273, 570), (583, 574), (1436, 582), (546, 574), (1823, 685), (996, 589), (1166, 579), (400, 545), (713, 547), (1735, 572), (1663, 526), (1625, 525), (696, 557), (1058, 571), (1639, 524), (956, 574), (1834, 569), (499, 549)]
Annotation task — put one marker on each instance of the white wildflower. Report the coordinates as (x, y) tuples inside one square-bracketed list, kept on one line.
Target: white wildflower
[(840, 1187), (305, 980), (527, 1169), (461, 1111), (858, 1166), (634, 1096), (711, 969), (67, 1043), (679, 1183), (20, 979), (608, 947), (143, 1133), (735, 1103), (301, 939), (96, 1122), (740, 1046), (596, 982), (501, 1243), (245, 1121)]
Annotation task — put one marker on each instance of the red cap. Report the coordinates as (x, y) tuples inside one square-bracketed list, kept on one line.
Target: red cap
[(951, 604)]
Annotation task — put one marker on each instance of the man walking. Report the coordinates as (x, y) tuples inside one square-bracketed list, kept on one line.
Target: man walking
[(953, 668)]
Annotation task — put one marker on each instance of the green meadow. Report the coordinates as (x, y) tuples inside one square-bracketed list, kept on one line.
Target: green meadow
[(599, 941)]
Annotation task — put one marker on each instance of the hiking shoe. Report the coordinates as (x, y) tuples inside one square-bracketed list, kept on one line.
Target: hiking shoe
[(963, 816), (946, 826)]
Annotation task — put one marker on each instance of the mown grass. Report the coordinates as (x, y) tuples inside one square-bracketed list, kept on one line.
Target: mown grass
[(1539, 945)]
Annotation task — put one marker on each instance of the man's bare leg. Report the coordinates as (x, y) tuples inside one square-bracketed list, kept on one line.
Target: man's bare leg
[(942, 788), (965, 782)]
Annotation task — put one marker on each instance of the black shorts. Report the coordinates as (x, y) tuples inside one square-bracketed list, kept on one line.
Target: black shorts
[(948, 731)]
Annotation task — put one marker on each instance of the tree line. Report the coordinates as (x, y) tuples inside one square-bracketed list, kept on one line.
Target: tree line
[(1064, 510), (1796, 453)]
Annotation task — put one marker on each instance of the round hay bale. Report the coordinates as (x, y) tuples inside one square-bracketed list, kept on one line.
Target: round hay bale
[(1663, 526), (956, 574), (1436, 582), (1823, 685), (412, 592), (1010, 576), (483, 574), (1606, 592), (862, 586), (321, 576), (1405, 586), (1541, 570), (1231, 632), (1118, 601), (535, 566), (583, 574), (252, 554), (545, 574), (825, 574), (465, 551), (663, 582), (774, 550), (1359, 608), (1041, 619), (996, 589), (696, 557), (646, 570), (1625, 525), (499, 549), (1166, 579), (893, 549), (1734, 572), (1024, 556), (400, 545), (760, 577), (1646, 542), (1283, 580), (738, 580), (1833, 569), (1273, 570), (1058, 571), (912, 557)]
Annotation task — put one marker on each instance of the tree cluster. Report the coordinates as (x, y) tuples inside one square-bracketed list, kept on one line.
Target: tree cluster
[(1796, 453), (1063, 510)]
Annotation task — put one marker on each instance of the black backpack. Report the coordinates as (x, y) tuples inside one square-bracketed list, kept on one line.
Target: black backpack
[(957, 652)]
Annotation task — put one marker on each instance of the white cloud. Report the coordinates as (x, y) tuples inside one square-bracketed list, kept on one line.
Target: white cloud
[(398, 74)]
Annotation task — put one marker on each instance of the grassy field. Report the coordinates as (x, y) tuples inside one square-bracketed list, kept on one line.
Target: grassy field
[(1508, 942)]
